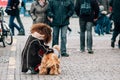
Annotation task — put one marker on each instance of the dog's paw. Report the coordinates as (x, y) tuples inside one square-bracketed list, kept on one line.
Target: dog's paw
[(42, 71), (53, 73)]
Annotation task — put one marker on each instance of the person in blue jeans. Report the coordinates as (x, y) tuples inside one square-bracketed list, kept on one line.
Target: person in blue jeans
[(86, 23), (103, 24), (99, 25), (14, 13), (59, 12), (107, 25)]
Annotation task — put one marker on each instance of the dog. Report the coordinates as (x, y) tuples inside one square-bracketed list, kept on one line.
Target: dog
[(50, 63)]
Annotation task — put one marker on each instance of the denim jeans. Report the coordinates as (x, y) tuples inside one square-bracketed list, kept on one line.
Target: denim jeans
[(56, 31), (99, 29), (12, 24), (85, 26), (20, 23), (107, 24)]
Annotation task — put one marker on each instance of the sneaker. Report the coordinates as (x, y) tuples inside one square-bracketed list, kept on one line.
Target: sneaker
[(108, 33), (119, 44), (112, 44), (82, 50), (32, 70), (65, 55), (28, 72), (97, 34), (21, 32), (90, 52)]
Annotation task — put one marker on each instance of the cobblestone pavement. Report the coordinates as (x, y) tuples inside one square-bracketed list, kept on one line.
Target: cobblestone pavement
[(104, 64)]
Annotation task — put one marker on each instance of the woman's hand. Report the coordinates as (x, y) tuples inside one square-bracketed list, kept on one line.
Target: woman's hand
[(13, 7), (50, 19)]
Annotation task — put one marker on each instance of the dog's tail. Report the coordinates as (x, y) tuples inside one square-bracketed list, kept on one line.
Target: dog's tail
[(56, 47), (57, 50)]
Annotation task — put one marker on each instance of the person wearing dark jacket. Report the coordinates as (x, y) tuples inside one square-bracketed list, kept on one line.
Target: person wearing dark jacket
[(116, 18), (14, 13), (36, 47), (86, 23), (59, 12)]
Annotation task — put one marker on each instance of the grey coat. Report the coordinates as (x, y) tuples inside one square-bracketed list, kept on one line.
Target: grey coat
[(38, 12)]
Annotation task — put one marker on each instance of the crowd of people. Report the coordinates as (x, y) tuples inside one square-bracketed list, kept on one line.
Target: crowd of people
[(55, 14)]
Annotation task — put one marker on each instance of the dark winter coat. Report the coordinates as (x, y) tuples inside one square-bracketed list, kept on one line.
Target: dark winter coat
[(94, 12), (33, 53), (60, 11), (115, 10), (15, 4)]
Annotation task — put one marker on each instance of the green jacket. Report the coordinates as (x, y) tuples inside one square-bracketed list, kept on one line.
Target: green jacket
[(60, 11)]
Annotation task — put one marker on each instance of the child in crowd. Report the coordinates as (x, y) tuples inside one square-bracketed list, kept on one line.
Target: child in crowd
[(103, 24), (36, 47)]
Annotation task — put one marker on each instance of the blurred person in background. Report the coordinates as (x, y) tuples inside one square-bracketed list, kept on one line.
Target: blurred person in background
[(15, 13), (59, 12), (38, 11), (116, 18), (103, 23), (86, 23)]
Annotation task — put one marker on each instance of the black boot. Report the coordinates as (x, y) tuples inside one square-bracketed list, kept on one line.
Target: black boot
[(112, 44), (119, 44), (21, 32), (32, 70)]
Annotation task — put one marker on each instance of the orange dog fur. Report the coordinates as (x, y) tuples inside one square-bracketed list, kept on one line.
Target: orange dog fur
[(50, 63)]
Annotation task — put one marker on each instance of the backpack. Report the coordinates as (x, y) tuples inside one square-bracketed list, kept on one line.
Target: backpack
[(85, 8)]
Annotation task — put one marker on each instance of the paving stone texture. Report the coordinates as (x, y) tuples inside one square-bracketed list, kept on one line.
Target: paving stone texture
[(104, 64)]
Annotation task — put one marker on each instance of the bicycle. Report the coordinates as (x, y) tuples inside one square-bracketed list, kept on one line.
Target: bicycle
[(5, 32)]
